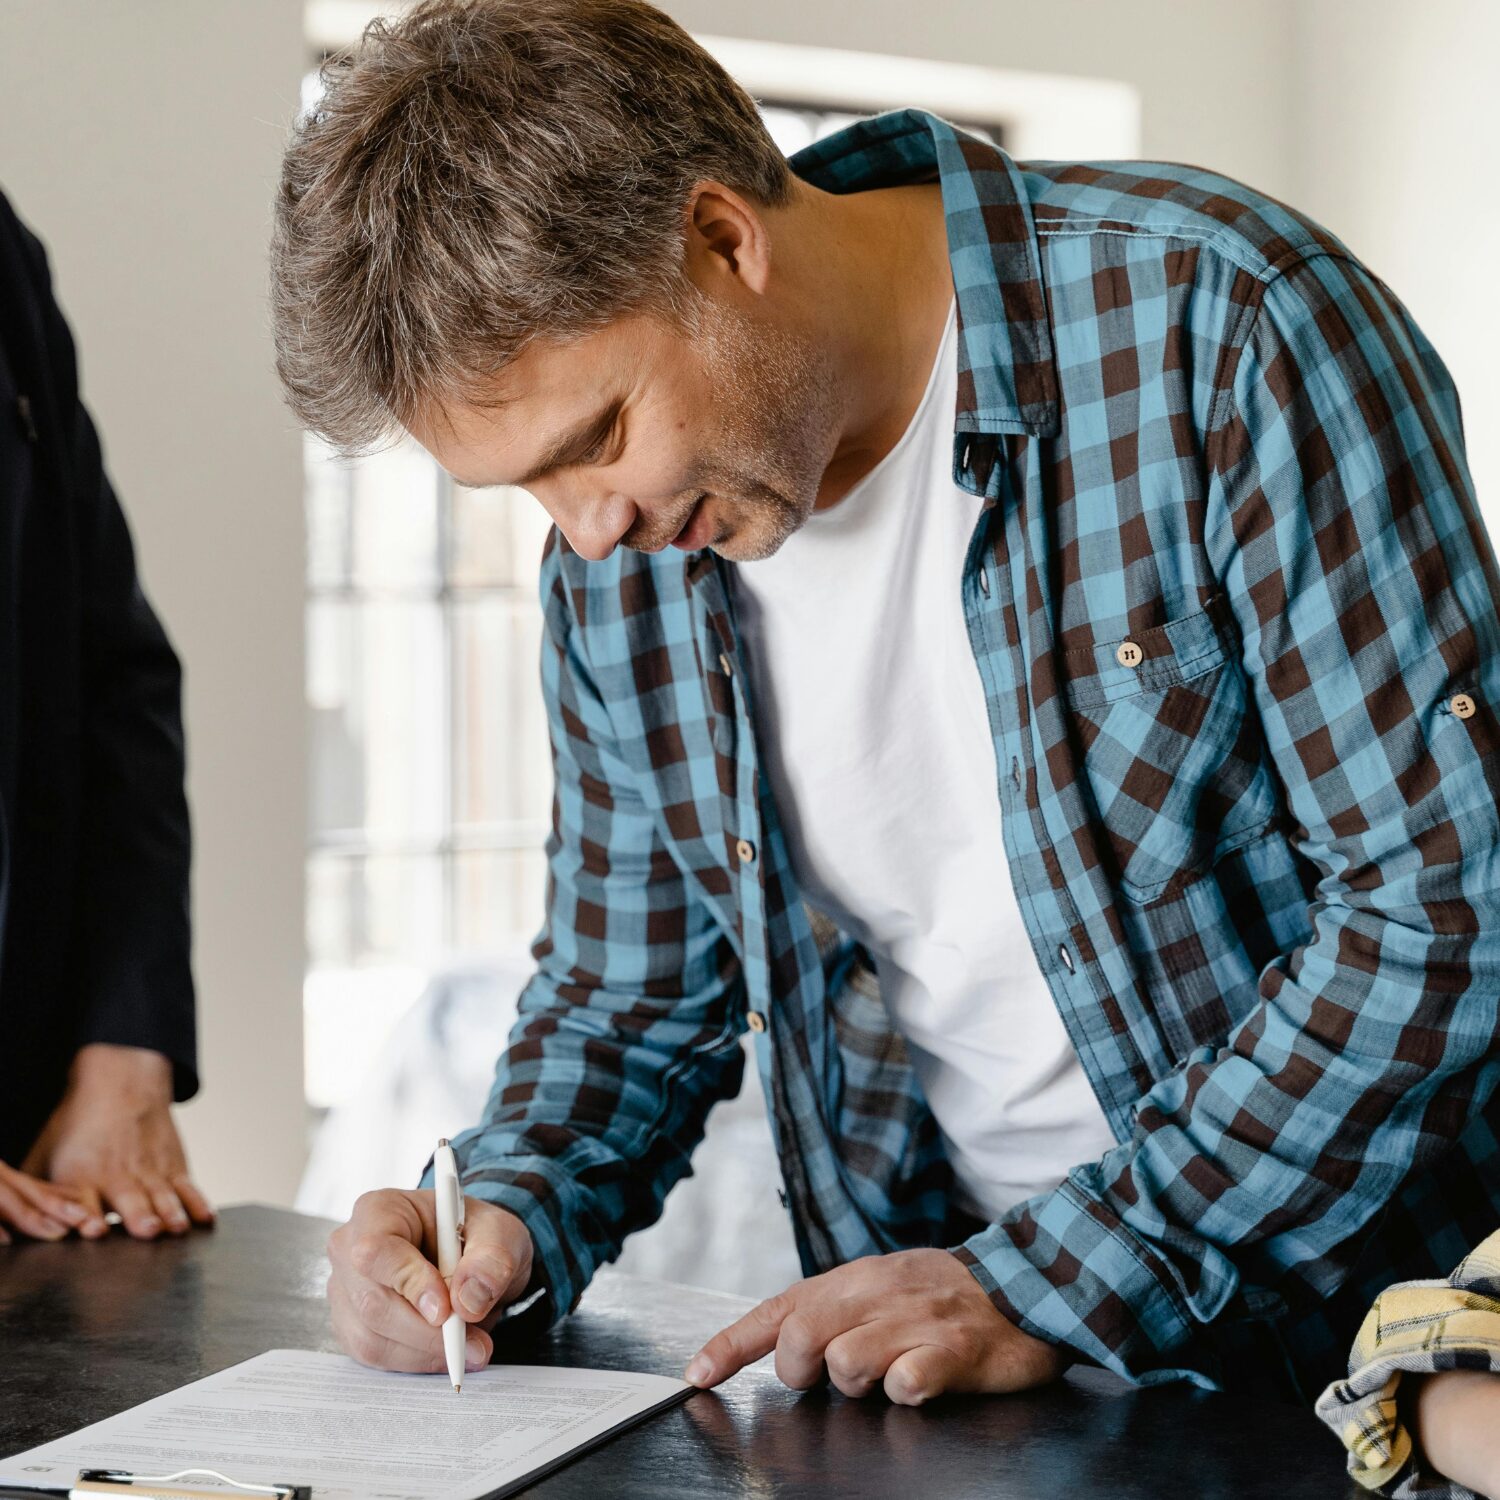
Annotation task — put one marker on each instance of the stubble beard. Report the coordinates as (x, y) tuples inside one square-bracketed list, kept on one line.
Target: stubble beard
[(774, 418)]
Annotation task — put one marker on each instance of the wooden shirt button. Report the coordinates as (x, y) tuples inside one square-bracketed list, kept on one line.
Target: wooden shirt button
[(1462, 705), (1128, 654)]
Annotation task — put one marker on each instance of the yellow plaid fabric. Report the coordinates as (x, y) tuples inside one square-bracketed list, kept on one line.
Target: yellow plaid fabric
[(1415, 1327)]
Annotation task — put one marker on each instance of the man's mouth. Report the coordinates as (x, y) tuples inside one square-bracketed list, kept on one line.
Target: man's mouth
[(696, 530)]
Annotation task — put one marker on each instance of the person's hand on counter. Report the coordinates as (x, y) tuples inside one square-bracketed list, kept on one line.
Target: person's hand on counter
[(915, 1322), (387, 1299), (113, 1144), (42, 1210)]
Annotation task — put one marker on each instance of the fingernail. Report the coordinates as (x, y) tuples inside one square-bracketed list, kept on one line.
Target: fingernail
[(75, 1213), (151, 1225), (476, 1297), (475, 1357), (430, 1307), (698, 1371), (52, 1230)]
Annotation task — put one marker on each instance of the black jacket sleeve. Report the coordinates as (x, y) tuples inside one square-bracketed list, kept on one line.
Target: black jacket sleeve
[(132, 905)]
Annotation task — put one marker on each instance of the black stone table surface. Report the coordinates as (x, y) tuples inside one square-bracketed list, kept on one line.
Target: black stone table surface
[(87, 1330)]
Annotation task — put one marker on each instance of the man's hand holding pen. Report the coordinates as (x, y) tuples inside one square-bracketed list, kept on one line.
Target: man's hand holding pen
[(388, 1300)]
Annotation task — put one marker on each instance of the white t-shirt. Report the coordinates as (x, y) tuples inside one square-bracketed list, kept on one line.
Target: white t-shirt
[(877, 743)]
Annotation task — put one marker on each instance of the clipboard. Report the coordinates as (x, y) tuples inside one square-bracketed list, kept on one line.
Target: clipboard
[(392, 1433)]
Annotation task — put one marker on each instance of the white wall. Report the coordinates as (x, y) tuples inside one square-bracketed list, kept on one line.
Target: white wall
[(1400, 135), (141, 141)]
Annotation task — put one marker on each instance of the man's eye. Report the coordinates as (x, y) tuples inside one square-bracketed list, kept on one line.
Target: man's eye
[(596, 449)]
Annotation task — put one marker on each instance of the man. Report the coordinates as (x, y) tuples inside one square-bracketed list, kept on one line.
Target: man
[(1061, 728), (96, 996)]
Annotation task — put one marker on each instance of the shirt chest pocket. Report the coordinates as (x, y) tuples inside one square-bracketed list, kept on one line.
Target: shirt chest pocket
[(1172, 752)]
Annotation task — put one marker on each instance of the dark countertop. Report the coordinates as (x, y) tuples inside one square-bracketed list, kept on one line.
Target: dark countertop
[(87, 1330)]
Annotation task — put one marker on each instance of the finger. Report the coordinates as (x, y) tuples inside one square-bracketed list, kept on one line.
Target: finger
[(371, 1347), (168, 1206), (819, 1317), (136, 1213), (391, 1260), (479, 1349), (200, 1210), (858, 1359), (922, 1373), (95, 1224), (746, 1340), (381, 1328), (20, 1213), (52, 1200), (387, 1315), (495, 1265)]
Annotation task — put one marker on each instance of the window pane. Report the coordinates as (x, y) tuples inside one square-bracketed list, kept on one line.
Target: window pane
[(330, 488), (830, 122), (501, 763), (396, 520), (498, 898), (791, 129), (497, 538), (348, 1016), (377, 721), (363, 908)]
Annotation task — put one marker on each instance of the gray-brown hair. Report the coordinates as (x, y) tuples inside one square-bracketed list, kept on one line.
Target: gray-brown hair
[(481, 173)]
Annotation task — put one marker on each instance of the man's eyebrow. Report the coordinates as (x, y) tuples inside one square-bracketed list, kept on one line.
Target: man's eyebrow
[(561, 451)]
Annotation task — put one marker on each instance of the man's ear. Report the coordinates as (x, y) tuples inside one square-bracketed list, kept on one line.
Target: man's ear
[(726, 236)]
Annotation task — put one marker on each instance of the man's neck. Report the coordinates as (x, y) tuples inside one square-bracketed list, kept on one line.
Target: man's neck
[(882, 287)]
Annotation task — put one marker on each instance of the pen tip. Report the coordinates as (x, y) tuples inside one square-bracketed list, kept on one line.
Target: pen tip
[(458, 1385)]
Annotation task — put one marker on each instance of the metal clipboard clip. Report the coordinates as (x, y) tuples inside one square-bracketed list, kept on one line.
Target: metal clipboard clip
[(167, 1486)]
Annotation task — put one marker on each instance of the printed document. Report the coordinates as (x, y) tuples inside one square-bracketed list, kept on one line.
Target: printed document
[(296, 1417)]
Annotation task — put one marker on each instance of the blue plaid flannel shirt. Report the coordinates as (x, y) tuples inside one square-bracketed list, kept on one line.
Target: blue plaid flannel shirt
[(1234, 611)]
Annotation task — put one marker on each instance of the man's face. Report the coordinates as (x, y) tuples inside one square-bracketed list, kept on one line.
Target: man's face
[(714, 435)]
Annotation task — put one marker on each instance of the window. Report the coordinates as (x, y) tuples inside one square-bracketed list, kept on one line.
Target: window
[(430, 779), (793, 126)]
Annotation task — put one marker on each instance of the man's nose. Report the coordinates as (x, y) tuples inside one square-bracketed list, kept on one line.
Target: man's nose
[(592, 523)]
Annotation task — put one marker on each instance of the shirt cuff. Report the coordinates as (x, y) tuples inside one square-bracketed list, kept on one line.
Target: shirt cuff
[(537, 1193), (1062, 1269)]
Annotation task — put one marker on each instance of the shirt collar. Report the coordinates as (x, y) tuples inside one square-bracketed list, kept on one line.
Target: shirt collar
[(1007, 381)]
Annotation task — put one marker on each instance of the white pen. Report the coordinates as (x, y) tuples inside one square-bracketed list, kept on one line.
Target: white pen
[(450, 1234)]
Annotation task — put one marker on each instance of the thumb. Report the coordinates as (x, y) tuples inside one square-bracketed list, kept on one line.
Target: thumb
[(495, 1266)]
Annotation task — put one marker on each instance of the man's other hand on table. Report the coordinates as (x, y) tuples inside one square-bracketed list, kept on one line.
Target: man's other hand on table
[(914, 1322)]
